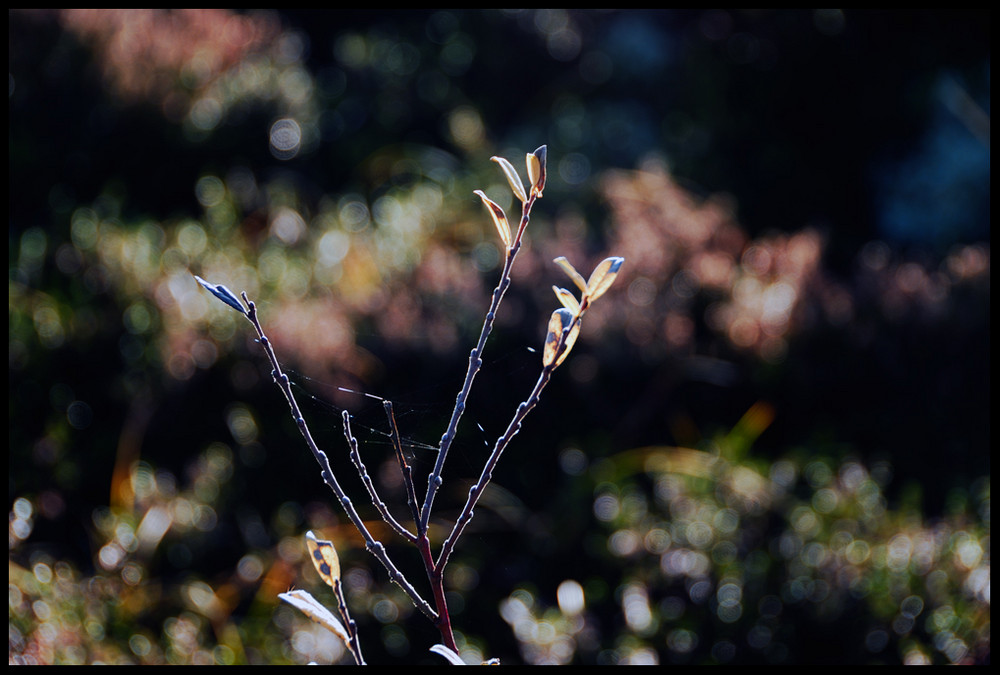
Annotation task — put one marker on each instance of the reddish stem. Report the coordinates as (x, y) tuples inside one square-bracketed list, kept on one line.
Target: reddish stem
[(435, 575)]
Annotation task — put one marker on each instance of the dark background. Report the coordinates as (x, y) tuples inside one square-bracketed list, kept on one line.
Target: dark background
[(870, 128)]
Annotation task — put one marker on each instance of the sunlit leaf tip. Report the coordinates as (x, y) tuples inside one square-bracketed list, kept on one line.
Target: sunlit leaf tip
[(311, 607), (499, 218), (449, 654), (536, 169), (603, 276), (571, 273), (568, 300), (515, 180), (324, 558), (223, 293)]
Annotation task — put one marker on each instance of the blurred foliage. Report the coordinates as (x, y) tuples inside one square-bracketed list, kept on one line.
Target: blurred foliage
[(772, 445), (741, 562)]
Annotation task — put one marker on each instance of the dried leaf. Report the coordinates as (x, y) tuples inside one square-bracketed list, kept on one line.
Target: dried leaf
[(536, 169), (452, 657), (324, 558), (571, 273), (515, 181), (311, 607), (603, 276), (223, 293), (561, 318), (499, 218), (568, 300)]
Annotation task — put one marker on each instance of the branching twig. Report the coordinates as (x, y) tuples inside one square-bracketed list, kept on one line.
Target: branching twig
[(476, 491), (375, 547), (369, 485), (404, 467), (563, 329), (475, 363)]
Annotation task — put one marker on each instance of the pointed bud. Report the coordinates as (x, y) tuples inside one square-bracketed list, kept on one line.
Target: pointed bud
[(222, 293), (499, 218), (568, 300), (571, 273), (515, 181), (536, 170), (603, 276)]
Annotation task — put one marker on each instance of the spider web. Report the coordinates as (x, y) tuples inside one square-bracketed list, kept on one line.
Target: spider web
[(421, 415), (420, 421)]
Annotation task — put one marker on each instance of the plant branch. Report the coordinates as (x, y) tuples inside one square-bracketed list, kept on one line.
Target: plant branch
[(434, 481), (563, 330), (404, 467), (476, 491), (369, 485), (435, 575), (375, 547), (350, 625)]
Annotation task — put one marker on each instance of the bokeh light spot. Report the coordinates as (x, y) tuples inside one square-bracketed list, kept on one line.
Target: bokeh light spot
[(285, 139)]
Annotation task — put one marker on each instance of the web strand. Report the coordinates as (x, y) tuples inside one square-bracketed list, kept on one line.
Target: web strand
[(371, 420)]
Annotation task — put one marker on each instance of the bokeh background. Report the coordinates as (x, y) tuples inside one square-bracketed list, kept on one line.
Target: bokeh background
[(770, 444)]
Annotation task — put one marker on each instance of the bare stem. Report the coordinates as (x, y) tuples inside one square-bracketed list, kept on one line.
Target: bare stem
[(476, 491), (435, 575), (475, 363), (375, 547), (350, 625), (369, 485), (404, 467)]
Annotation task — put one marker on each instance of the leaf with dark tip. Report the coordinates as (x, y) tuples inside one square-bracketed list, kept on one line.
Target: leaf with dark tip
[(558, 322), (603, 276), (536, 169), (568, 300), (499, 218)]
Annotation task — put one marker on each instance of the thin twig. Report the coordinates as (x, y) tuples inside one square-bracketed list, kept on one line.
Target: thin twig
[(350, 625), (434, 481), (404, 467), (383, 509), (476, 491), (375, 547)]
